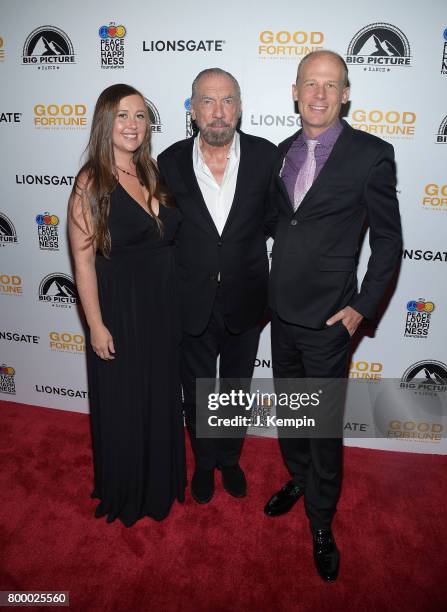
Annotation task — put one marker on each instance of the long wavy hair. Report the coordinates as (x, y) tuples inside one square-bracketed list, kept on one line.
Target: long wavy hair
[(98, 176)]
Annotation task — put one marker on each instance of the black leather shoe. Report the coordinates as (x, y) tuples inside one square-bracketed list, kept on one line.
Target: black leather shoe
[(233, 480), (326, 554), (284, 500), (202, 485)]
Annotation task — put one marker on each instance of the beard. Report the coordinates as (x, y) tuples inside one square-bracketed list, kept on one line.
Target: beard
[(218, 138)]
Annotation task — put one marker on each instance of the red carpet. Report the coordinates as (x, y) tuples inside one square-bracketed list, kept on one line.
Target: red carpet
[(391, 529)]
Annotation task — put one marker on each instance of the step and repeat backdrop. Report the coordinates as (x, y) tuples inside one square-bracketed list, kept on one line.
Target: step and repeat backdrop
[(55, 59)]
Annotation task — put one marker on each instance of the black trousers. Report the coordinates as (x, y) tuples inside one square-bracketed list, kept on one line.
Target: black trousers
[(237, 353), (315, 463)]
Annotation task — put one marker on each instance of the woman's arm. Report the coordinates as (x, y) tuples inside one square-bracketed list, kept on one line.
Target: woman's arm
[(80, 230)]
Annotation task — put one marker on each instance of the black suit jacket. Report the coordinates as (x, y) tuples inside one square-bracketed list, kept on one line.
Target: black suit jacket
[(239, 255), (314, 259)]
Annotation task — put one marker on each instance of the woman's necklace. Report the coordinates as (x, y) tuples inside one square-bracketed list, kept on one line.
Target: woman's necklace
[(126, 172)]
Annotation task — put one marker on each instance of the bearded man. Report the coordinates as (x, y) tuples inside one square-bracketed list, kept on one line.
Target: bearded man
[(220, 181)]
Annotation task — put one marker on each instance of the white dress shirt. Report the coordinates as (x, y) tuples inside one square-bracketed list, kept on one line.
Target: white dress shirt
[(218, 198)]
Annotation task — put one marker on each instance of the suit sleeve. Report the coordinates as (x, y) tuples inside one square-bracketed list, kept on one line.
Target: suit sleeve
[(161, 173), (271, 212), (385, 233)]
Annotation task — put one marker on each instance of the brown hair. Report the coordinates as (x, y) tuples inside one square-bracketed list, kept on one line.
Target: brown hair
[(97, 178)]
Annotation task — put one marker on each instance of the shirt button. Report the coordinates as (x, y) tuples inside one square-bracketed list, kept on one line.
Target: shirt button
[(219, 243), (293, 222)]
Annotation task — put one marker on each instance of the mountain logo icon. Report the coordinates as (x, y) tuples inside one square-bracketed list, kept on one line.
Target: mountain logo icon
[(379, 44), (154, 116), (441, 136), (7, 228), (47, 42), (430, 371), (59, 289)]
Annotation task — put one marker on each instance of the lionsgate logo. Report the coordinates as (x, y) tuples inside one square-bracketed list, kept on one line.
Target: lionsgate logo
[(444, 54), (14, 336), (10, 117), (59, 290), (62, 391), (112, 46), (259, 119), (154, 116), (8, 234), (418, 317), (379, 47), (7, 382), (427, 255), (207, 46), (48, 48), (44, 179), (441, 136), (47, 231)]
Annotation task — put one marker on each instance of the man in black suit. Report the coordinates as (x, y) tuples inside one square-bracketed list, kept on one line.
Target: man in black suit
[(220, 180), (330, 178)]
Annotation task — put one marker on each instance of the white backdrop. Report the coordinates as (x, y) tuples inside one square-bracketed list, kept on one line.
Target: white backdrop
[(55, 59)]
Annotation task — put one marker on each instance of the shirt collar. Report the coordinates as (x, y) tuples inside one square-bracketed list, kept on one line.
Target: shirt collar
[(326, 138)]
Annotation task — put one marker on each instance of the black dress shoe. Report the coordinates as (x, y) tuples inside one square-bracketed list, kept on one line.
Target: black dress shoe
[(284, 500), (326, 554), (202, 485), (233, 480)]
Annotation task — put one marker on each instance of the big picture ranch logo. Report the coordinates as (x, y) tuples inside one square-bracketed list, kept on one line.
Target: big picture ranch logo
[(441, 136), (48, 47), (8, 234), (379, 46), (59, 290)]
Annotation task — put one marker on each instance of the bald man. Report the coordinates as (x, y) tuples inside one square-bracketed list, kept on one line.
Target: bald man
[(330, 179)]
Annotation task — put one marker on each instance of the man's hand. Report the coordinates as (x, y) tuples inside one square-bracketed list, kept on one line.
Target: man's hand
[(349, 317)]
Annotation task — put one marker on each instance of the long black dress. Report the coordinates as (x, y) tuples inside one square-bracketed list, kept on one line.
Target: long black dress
[(135, 399)]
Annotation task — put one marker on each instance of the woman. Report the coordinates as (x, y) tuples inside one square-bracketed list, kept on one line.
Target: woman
[(121, 228)]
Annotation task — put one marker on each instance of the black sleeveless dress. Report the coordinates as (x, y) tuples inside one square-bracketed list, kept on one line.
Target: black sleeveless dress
[(135, 399)]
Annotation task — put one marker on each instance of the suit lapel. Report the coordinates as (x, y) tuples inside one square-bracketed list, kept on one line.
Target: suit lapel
[(284, 149), (186, 169), (243, 174), (331, 167)]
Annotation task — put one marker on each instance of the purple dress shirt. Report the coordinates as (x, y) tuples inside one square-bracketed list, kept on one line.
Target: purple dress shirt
[(297, 153)]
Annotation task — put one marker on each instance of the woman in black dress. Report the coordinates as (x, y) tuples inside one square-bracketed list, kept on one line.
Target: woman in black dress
[(121, 228)]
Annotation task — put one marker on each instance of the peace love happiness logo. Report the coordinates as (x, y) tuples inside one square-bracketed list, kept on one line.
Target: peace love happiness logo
[(7, 383), (112, 45)]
